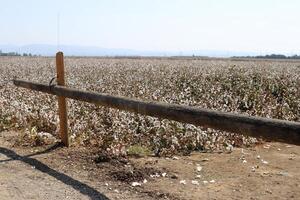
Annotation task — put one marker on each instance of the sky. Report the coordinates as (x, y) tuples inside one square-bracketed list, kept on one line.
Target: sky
[(159, 25)]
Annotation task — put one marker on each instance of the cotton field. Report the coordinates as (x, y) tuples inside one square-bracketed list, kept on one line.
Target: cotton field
[(252, 87)]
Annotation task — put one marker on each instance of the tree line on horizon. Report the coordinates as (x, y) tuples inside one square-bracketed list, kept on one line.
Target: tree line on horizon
[(271, 56), (15, 54)]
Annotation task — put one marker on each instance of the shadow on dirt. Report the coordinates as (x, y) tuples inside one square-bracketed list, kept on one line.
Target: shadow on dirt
[(48, 150), (77, 185)]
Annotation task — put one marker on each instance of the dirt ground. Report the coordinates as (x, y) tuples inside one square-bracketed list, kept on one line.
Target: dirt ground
[(267, 171)]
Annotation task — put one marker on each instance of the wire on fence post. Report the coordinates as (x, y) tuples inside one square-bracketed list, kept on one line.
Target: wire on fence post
[(62, 105)]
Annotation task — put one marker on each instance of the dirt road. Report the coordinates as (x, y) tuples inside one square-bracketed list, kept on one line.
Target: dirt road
[(34, 176), (268, 171)]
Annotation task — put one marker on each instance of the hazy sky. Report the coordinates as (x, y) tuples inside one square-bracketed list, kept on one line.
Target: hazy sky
[(178, 25)]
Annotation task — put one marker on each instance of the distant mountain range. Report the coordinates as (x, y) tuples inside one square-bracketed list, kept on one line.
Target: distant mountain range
[(72, 50)]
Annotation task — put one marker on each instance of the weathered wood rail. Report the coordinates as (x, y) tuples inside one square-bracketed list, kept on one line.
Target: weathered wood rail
[(270, 129)]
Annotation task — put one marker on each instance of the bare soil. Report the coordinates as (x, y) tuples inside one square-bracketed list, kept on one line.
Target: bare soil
[(267, 171)]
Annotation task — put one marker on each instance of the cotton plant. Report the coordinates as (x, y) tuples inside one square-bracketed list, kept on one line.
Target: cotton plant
[(261, 88)]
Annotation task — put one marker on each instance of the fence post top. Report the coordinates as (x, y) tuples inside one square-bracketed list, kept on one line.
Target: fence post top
[(59, 53)]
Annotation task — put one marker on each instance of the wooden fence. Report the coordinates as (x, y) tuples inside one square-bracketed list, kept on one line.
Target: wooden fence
[(270, 129)]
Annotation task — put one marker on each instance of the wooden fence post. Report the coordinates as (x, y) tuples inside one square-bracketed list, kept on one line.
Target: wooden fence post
[(62, 105)]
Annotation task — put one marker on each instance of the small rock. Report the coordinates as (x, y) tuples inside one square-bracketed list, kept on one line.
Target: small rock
[(229, 148), (145, 181), (195, 182), (199, 168), (175, 158), (164, 174), (174, 176), (258, 157), (292, 157), (205, 182), (155, 175), (106, 184), (242, 157), (283, 173), (212, 181), (183, 182), (264, 162), (269, 191), (244, 161), (198, 176), (134, 184), (116, 191)]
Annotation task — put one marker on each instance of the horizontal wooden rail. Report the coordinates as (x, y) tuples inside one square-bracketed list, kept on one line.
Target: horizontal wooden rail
[(270, 129)]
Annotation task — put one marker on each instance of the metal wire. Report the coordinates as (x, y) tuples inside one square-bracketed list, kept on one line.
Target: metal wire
[(51, 85)]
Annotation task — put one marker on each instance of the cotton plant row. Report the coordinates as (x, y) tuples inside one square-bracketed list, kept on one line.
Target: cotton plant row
[(258, 88)]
